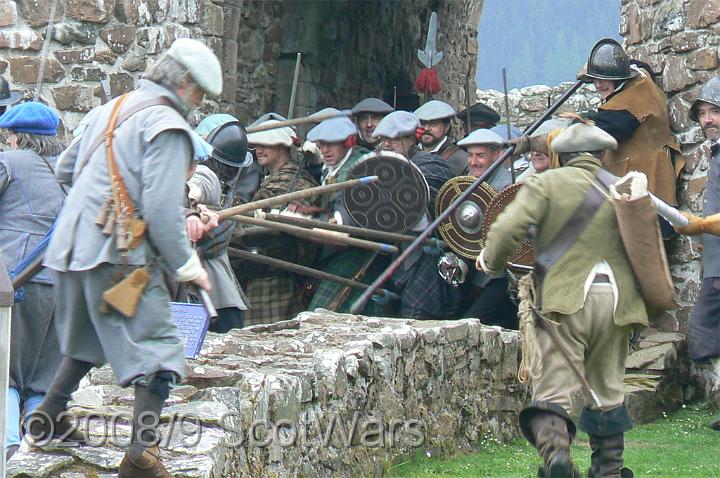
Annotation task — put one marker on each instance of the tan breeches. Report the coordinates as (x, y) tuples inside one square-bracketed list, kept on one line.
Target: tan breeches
[(597, 346)]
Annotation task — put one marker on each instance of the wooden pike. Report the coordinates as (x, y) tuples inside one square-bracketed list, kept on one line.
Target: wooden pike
[(303, 270), (322, 237), (352, 230), (293, 196)]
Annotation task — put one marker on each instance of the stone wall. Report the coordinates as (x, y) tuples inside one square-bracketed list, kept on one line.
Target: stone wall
[(350, 49), (437, 387)]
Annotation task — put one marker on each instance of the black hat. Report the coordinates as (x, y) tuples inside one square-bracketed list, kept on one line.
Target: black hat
[(229, 142), (479, 112), (8, 97)]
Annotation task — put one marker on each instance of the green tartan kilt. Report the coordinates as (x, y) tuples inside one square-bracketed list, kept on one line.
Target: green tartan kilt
[(346, 264)]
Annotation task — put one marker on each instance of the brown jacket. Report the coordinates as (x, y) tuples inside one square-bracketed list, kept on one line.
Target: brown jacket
[(652, 146)]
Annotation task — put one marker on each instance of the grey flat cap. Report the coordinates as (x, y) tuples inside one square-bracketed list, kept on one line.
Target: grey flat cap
[(435, 110), (582, 137), (372, 105)]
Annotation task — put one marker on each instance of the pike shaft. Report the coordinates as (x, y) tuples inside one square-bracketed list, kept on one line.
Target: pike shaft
[(318, 236), (293, 196), (362, 300), (355, 231), (302, 270)]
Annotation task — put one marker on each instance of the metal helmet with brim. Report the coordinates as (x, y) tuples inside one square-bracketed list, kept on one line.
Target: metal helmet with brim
[(709, 93), (608, 61)]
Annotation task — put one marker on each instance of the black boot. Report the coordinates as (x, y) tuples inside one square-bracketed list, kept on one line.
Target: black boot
[(48, 420), (142, 458), (549, 429), (606, 432)]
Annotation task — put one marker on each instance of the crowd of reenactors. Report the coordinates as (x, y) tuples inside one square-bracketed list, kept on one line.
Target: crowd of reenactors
[(129, 216)]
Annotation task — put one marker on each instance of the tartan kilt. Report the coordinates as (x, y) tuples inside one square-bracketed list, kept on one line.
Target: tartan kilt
[(346, 264), (272, 299)]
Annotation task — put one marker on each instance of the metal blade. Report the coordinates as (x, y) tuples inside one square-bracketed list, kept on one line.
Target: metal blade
[(430, 56)]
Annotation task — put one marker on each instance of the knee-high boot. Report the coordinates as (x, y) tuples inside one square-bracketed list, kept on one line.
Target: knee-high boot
[(607, 441)]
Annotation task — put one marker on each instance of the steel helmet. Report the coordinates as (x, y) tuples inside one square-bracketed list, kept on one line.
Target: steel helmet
[(709, 93), (229, 142), (608, 61)]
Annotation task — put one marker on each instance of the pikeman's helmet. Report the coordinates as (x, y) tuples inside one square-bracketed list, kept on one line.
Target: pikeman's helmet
[(608, 61), (709, 93), (230, 143)]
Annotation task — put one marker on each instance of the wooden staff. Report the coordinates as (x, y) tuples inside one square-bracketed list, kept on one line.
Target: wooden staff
[(318, 236), (26, 274), (303, 270), (312, 119), (352, 230), (293, 196)]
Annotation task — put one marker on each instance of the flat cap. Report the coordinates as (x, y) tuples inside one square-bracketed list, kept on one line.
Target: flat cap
[(272, 137), (549, 125), (201, 62), (397, 124), (582, 137), (372, 105), (30, 117), (481, 136), (435, 110), (333, 130), (480, 112)]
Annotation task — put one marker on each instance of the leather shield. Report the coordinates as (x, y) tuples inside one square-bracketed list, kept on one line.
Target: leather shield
[(394, 203), (524, 253), (640, 232), (462, 230)]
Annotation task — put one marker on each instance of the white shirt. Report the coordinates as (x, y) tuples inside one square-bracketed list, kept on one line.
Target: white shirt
[(440, 145), (602, 267)]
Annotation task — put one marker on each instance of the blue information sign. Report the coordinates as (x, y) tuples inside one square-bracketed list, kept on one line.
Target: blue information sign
[(192, 321)]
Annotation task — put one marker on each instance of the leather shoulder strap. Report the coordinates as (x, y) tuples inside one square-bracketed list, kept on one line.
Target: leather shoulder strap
[(122, 116), (570, 232), (123, 203)]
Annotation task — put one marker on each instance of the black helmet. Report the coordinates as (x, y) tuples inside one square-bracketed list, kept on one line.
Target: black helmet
[(7, 97), (608, 61), (709, 93), (229, 142)]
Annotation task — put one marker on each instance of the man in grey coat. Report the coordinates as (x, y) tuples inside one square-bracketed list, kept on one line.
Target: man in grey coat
[(153, 149)]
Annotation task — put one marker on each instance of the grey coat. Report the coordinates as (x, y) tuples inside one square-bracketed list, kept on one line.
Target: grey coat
[(226, 291), (30, 199), (153, 151)]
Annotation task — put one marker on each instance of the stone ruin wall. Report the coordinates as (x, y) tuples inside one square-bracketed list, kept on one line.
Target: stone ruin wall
[(350, 49), (411, 386)]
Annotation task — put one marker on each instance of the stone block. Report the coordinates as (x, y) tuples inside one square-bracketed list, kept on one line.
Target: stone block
[(37, 12), (67, 33), (87, 74), (8, 13), (75, 55), (696, 156), (658, 357), (118, 37), (106, 56), (230, 56), (701, 13), (21, 40), (94, 11), (25, 69), (74, 98), (212, 20), (135, 12), (676, 75), (135, 59), (669, 19), (688, 40), (229, 87), (150, 38), (173, 31), (704, 59), (679, 118), (121, 83)]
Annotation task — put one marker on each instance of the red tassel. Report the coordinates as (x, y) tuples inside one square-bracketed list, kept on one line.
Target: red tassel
[(428, 81), (419, 131), (350, 141)]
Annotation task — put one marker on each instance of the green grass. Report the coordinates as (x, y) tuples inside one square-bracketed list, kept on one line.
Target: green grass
[(677, 446)]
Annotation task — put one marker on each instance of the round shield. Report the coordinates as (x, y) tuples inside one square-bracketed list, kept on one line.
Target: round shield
[(462, 230), (524, 254), (394, 203)]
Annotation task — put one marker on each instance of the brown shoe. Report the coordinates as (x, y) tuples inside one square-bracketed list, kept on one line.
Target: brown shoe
[(41, 428), (142, 462)]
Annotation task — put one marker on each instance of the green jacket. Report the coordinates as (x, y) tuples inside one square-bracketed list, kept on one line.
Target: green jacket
[(548, 201)]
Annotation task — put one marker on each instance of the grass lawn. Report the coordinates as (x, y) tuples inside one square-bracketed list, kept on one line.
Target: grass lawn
[(677, 446)]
